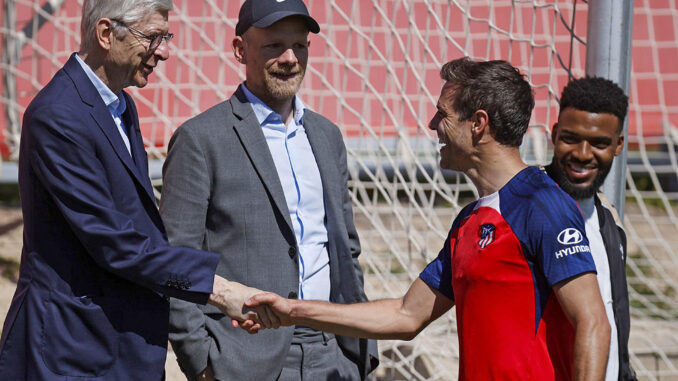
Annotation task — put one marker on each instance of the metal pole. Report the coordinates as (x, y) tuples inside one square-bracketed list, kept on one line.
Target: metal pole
[(608, 55), (8, 61)]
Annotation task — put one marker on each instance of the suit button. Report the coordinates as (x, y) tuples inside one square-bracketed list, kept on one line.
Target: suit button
[(292, 252), (292, 295)]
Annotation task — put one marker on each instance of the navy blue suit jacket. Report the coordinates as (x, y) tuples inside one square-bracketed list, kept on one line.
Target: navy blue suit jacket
[(96, 266)]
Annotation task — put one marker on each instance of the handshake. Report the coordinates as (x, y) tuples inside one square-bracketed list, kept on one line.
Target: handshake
[(250, 308)]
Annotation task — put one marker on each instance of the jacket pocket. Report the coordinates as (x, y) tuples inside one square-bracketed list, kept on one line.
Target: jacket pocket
[(78, 337)]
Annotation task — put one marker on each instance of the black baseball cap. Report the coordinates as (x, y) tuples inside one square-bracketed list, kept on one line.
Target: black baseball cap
[(264, 13)]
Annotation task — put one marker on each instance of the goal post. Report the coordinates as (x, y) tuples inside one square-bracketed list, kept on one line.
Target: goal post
[(608, 55)]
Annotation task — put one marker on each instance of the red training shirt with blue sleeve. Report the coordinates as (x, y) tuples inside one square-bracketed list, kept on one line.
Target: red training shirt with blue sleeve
[(499, 263)]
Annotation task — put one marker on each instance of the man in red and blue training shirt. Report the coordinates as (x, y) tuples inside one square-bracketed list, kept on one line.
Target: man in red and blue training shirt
[(516, 263), (501, 259)]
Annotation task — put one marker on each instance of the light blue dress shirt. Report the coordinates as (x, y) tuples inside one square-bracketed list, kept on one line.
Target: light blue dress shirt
[(116, 103), (301, 183)]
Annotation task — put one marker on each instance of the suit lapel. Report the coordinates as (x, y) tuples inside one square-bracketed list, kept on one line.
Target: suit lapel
[(332, 194), (137, 146), (328, 169), (254, 143), (102, 117)]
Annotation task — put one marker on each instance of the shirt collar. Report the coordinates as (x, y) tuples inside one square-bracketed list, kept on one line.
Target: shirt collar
[(265, 115), (587, 206), (116, 103)]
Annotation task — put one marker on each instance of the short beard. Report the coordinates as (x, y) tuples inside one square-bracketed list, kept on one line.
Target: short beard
[(576, 191), (283, 90)]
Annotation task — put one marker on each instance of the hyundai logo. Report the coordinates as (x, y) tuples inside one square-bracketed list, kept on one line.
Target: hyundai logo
[(570, 236)]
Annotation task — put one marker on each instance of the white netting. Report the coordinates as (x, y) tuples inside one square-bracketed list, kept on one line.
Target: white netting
[(374, 71), (652, 189)]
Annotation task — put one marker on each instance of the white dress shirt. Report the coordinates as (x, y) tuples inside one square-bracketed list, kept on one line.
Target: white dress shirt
[(300, 179), (599, 254)]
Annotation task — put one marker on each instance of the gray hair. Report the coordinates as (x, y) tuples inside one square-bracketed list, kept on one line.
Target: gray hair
[(127, 11)]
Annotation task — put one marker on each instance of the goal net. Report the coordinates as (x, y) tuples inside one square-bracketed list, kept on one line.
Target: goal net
[(374, 71)]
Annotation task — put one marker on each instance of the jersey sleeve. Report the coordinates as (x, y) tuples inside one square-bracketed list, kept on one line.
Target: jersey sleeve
[(438, 273), (558, 239)]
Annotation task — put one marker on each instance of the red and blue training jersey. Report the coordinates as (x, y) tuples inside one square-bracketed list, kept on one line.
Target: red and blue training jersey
[(499, 263)]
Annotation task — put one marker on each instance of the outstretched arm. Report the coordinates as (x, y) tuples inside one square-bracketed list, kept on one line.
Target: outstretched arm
[(580, 299), (402, 318)]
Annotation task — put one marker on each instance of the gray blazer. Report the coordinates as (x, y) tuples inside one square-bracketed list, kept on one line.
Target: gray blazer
[(221, 193)]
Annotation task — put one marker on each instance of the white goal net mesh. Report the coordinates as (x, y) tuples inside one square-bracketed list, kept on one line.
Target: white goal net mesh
[(374, 71)]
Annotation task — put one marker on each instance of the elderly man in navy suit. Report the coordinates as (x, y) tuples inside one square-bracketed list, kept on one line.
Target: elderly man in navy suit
[(96, 267)]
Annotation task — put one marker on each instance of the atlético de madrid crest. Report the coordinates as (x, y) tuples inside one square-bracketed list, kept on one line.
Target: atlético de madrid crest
[(486, 235)]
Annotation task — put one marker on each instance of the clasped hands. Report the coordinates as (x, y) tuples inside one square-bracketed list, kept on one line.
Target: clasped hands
[(249, 308)]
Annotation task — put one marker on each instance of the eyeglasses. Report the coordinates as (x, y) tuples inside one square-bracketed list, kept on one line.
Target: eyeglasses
[(154, 41)]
